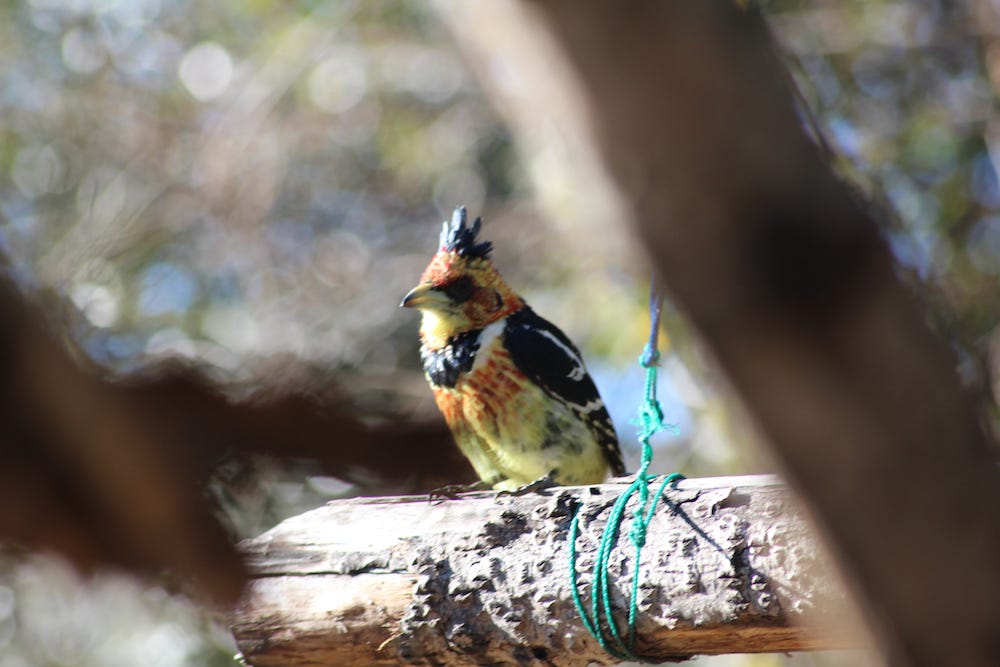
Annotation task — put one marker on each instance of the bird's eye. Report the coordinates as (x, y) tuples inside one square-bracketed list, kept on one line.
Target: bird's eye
[(459, 290)]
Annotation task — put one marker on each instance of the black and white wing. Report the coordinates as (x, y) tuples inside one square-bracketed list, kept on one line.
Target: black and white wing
[(544, 353)]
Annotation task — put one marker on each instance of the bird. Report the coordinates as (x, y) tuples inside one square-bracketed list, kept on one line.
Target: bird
[(513, 388)]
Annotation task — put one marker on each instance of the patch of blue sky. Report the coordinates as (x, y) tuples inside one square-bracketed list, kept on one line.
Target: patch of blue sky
[(623, 391), (845, 136), (983, 181), (914, 250), (166, 288), (122, 351)]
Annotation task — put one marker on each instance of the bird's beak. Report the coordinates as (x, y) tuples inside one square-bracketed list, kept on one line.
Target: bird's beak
[(423, 295)]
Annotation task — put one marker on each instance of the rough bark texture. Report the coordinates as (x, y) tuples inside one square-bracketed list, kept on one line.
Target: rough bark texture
[(729, 566), (785, 275)]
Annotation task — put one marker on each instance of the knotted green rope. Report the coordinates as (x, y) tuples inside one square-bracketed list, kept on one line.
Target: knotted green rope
[(600, 620)]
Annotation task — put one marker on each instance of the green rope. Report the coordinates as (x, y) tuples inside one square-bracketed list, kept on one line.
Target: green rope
[(600, 620)]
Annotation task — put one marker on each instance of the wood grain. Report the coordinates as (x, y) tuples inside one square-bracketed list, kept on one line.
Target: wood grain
[(729, 566)]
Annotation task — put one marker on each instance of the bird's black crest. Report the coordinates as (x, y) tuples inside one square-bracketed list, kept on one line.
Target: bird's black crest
[(457, 237)]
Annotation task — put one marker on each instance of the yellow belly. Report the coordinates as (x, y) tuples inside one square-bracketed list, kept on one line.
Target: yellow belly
[(513, 433)]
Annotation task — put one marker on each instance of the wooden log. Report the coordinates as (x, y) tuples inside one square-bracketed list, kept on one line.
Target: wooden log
[(729, 566)]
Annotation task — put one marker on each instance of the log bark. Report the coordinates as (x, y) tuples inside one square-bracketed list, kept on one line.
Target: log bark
[(729, 566)]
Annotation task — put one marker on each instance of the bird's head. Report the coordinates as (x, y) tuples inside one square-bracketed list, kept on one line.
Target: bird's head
[(460, 290)]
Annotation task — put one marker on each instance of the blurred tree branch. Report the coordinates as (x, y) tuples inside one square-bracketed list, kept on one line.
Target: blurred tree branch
[(111, 473), (794, 291)]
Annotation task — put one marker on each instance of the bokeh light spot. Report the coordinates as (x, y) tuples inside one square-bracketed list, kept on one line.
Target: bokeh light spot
[(206, 71), (81, 52), (97, 302), (339, 82), (232, 327)]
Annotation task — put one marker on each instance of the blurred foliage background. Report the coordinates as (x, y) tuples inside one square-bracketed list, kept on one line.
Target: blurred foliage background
[(237, 182)]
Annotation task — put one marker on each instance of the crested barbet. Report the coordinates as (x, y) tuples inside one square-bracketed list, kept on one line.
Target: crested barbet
[(512, 387)]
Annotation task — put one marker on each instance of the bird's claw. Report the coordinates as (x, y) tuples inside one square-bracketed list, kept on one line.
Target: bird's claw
[(538, 485)]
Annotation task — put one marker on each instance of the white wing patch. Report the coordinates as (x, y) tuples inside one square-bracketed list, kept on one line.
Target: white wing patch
[(579, 371), (489, 333)]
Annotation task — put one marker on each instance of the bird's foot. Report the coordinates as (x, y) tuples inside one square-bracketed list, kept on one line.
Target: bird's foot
[(539, 484), (452, 491)]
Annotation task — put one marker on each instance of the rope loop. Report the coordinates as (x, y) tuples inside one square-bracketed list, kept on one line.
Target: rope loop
[(600, 621)]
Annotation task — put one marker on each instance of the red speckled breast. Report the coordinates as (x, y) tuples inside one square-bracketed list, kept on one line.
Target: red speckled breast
[(486, 399)]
